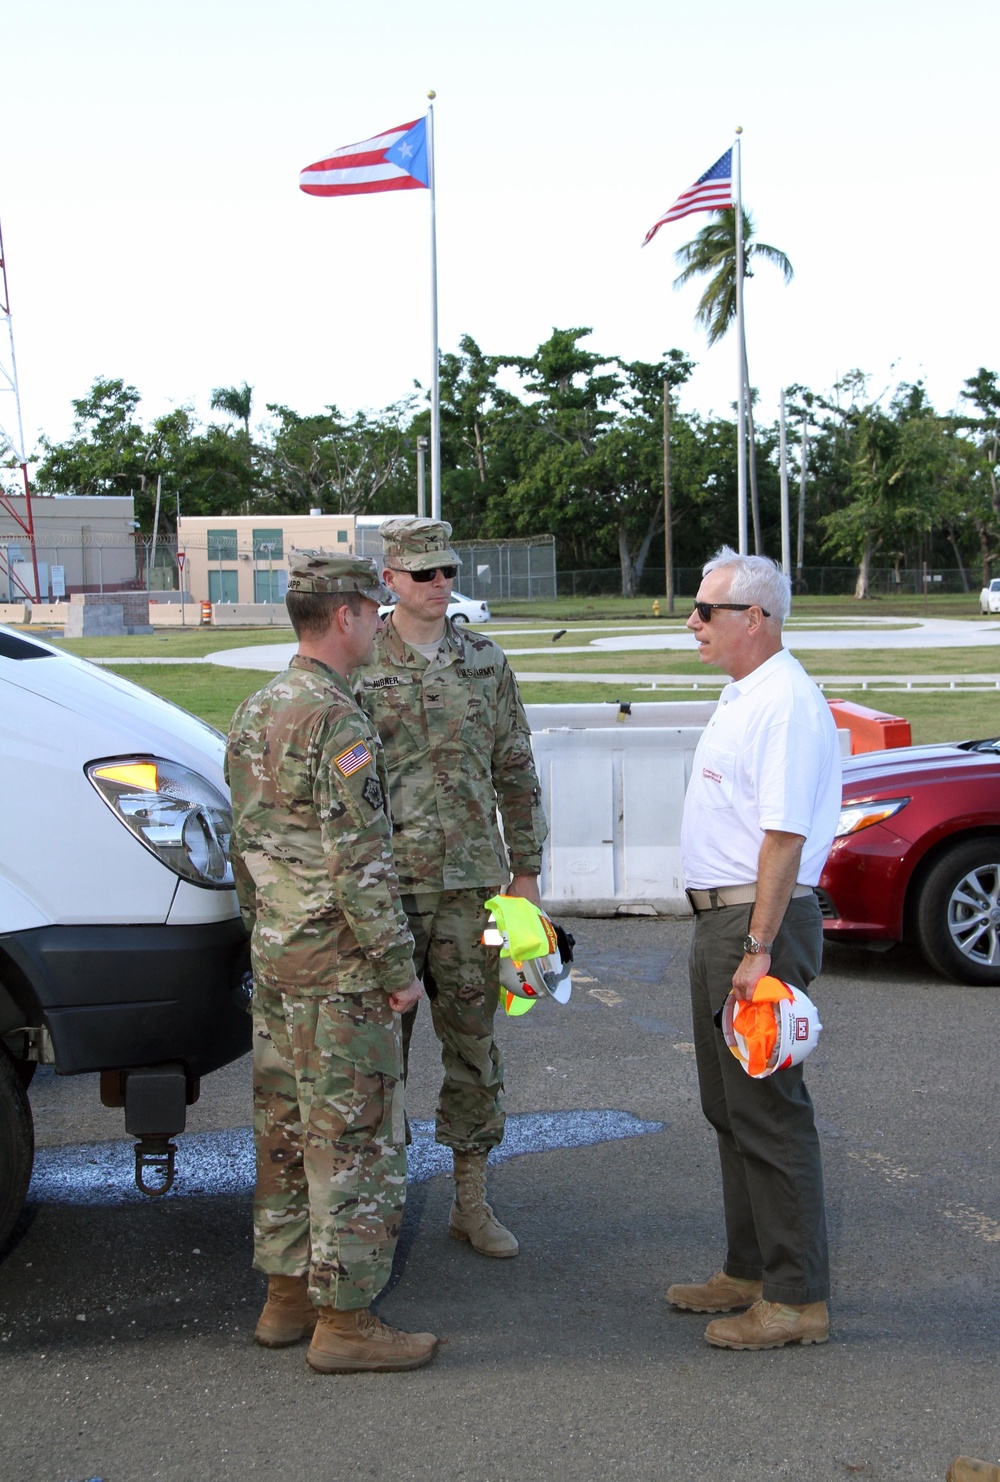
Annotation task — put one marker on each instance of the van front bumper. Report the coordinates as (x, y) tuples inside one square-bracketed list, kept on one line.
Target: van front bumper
[(120, 997)]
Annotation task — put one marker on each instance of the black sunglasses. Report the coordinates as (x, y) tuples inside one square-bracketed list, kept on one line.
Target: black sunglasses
[(448, 572), (705, 609)]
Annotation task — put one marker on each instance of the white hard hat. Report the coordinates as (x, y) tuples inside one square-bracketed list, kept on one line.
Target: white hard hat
[(534, 977), (797, 1024)]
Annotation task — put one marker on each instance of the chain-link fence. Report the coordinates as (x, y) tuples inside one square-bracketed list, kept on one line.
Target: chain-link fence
[(495, 569)]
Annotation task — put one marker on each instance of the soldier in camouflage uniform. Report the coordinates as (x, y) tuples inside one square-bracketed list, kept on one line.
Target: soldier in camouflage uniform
[(333, 968), (457, 745)]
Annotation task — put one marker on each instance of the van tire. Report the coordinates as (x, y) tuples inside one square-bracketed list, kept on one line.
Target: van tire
[(17, 1145)]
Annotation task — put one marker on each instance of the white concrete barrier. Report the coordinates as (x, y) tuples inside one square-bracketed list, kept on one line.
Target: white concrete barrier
[(250, 615), (613, 790), (14, 612), (613, 785), (175, 614), (48, 614)]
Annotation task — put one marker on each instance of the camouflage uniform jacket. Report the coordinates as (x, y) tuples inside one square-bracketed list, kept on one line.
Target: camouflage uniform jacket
[(311, 850), (457, 745)]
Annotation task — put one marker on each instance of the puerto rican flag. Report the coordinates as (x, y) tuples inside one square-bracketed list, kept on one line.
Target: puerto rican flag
[(712, 191), (395, 160)]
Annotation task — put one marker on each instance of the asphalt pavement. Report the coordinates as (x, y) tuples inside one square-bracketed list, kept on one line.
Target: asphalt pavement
[(125, 1347)]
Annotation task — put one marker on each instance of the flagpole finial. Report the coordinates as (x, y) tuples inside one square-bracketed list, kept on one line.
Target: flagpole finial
[(431, 93), (739, 128)]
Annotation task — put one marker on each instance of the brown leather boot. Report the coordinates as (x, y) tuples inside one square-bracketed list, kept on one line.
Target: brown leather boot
[(967, 1469), (355, 1341), (471, 1218), (771, 1325), (720, 1293), (288, 1314)]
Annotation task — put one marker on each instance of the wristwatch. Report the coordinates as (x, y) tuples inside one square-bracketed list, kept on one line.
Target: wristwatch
[(753, 948)]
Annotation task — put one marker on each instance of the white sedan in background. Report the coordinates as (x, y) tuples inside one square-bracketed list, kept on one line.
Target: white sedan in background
[(462, 609), (989, 597)]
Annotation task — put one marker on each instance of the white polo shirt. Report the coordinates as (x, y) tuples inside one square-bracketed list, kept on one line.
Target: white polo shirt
[(768, 759)]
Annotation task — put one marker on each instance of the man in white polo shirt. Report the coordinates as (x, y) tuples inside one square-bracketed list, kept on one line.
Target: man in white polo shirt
[(759, 817)]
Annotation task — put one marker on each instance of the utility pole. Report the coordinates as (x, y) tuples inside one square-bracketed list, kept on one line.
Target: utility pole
[(668, 522), (800, 554)]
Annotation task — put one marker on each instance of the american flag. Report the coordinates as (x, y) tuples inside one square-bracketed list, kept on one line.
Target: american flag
[(394, 160), (353, 758), (712, 191)]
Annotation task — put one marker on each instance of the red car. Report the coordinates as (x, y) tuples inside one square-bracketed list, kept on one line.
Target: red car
[(917, 856)]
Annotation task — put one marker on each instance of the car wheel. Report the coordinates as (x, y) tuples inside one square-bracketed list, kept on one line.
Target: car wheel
[(460, 617), (17, 1145), (958, 912)]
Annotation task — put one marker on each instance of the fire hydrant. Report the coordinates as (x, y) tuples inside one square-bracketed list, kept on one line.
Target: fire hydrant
[(656, 607)]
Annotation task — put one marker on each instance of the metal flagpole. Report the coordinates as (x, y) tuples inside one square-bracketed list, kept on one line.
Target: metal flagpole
[(741, 418), (435, 387)]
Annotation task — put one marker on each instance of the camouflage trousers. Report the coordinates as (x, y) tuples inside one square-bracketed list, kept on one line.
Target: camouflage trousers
[(329, 1136), (461, 978)]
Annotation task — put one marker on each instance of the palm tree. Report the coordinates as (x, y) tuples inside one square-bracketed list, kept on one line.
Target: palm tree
[(713, 251), (236, 402)]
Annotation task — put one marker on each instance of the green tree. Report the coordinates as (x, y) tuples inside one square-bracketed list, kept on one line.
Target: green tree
[(111, 452), (350, 465), (712, 253), (902, 469), (236, 402), (983, 511), (106, 452)]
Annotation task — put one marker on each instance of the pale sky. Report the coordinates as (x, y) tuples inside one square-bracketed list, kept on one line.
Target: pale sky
[(154, 229)]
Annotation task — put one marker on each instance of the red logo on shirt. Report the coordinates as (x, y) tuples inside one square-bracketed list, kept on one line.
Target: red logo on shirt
[(711, 776)]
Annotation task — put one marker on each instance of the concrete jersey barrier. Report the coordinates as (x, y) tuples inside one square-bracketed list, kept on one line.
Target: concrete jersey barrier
[(613, 781)]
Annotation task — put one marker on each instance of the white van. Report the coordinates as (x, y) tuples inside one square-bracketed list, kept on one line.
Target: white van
[(122, 949)]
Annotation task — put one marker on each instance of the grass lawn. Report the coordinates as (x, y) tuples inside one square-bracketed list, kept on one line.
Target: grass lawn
[(204, 689), (622, 609), (214, 692), (862, 662)]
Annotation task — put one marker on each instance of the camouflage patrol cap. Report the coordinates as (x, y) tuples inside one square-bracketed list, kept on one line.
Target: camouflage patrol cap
[(416, 544), (322, 571)]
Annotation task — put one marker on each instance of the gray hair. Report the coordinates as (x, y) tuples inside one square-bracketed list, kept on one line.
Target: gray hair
[(756, 580)]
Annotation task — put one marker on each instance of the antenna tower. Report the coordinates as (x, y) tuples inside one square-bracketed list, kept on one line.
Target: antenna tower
[(8, 375)]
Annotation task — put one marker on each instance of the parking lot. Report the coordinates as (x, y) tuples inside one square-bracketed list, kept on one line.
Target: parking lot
[(125, 1324)]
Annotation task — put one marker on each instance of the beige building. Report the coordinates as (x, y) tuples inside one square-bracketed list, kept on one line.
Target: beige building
[(83, 543), (244, 558)]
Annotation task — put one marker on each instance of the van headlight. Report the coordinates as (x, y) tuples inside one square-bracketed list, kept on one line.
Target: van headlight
[(180, 817)]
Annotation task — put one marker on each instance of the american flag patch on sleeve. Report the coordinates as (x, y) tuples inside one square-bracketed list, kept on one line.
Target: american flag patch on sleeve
[(353, 759)]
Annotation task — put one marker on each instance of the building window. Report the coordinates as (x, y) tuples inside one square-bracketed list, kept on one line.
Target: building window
[(270, 586), (222, 545), (267, 545), (342, 536), (223, 586)]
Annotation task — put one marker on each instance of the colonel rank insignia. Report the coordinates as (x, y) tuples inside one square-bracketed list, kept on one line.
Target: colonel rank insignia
[(353, 759)]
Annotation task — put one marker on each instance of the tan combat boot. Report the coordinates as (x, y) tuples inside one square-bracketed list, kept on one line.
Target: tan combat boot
[(471, 1218), (357, 1341), (967, 1469), (720, 1293), (288, 1314), (771, 1325)]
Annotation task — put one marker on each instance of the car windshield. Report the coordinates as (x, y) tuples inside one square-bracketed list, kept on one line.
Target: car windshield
[(989, 745)]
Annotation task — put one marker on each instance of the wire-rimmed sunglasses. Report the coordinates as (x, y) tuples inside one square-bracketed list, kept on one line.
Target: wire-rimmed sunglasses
[(448, 572), (705, 609)]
